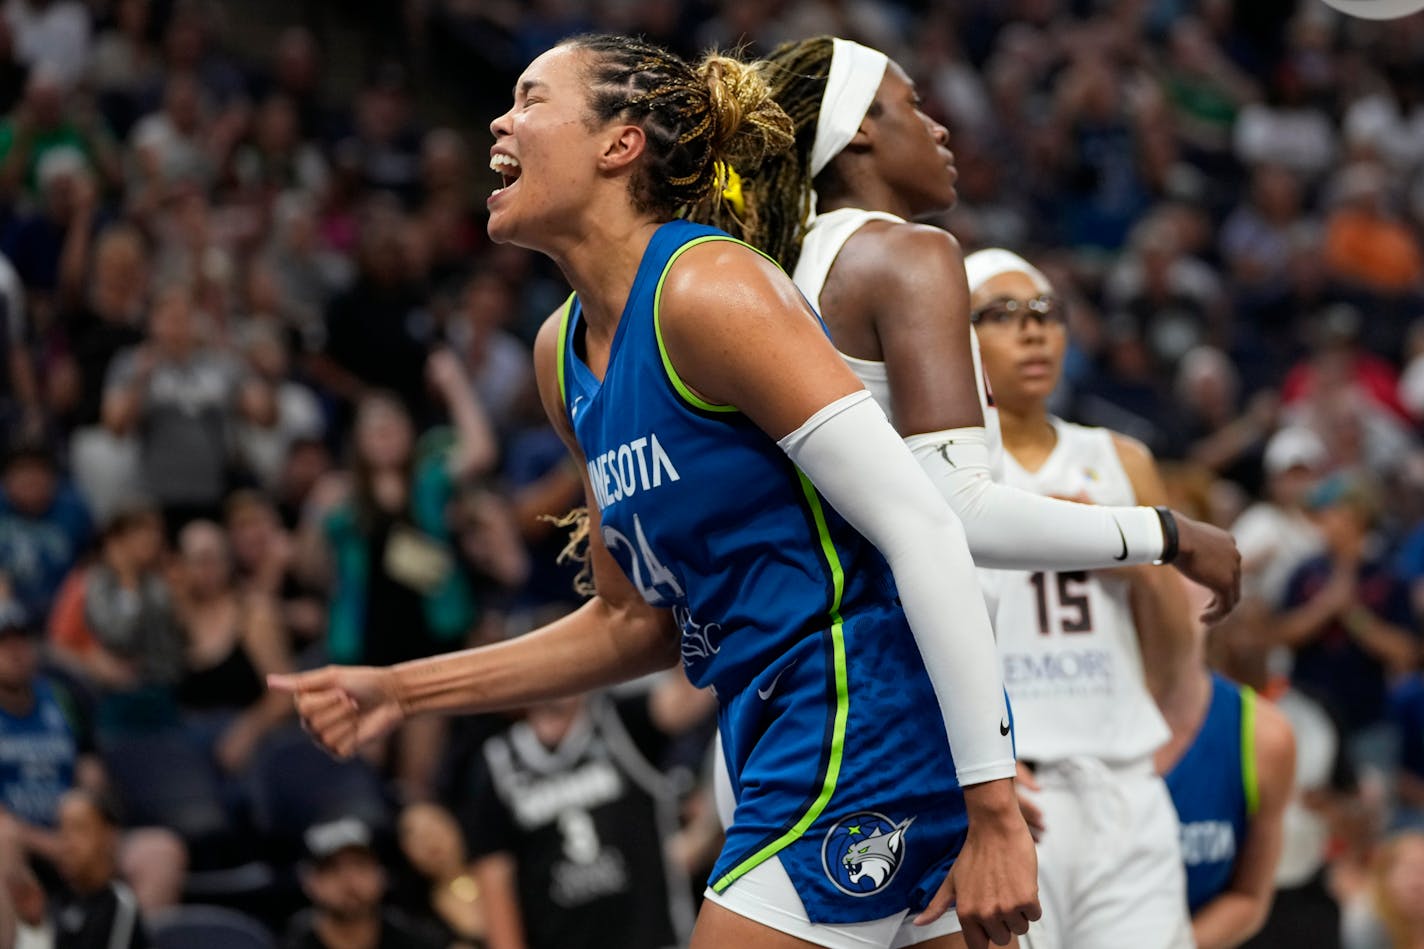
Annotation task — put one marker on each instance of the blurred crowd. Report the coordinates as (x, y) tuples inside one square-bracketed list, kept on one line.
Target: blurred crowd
[(267, 402)]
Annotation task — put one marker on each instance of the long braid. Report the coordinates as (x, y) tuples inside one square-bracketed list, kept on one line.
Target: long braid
[(777, 196)]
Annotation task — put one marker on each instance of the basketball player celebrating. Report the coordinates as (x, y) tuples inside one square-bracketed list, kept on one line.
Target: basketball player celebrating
[(1110, 870), (834, 209), (737, 475), (1230, 766)]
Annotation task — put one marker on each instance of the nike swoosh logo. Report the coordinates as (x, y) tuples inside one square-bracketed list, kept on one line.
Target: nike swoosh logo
[(1003, 726), (944, 453), (765, 693), (1123, 556)]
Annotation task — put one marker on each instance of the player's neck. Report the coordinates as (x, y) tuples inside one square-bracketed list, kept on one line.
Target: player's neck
[(601, 265), (867, 194), (1027, 433)]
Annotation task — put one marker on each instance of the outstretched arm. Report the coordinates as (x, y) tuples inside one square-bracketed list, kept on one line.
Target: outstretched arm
[(921, 319)]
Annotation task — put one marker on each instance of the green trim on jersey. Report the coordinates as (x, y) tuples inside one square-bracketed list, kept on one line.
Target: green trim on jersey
[(842, 713), (1248, 750), (563, 346), (682, 388)]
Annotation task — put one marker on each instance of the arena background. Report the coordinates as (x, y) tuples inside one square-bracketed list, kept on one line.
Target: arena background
[(234, 234)]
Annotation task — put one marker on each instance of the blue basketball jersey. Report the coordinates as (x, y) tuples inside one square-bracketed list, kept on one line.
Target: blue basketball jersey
[(37, 757), (1214, 789), (825, 710)]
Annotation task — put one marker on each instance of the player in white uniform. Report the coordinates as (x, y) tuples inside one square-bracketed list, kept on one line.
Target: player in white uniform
[(894, 297), (1073, 644)]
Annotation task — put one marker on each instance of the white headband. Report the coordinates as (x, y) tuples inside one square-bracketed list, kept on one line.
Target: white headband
[(854, 79), (984, 265)]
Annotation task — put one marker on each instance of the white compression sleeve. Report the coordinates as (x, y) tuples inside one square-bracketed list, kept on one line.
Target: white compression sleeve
[(859, 464), (1011, 529)]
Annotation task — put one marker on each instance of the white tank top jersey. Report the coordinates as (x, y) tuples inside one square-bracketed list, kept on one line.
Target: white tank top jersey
[(825, 238), (1072, 662)]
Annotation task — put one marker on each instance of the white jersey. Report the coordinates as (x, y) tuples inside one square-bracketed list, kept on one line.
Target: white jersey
[(825, 238), (1071, 658)]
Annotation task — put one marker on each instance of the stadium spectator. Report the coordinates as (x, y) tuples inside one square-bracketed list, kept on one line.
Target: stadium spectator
[(232, 642), (1346, 616), (273, 411), (125, 64), (98, 911), (1367, 245), (44, 527), (398, 591), (275, 157), (137, 653), (47, 748), (1389, 914), (499, 364), (582, 868), (346, 884), (384, 148), (378, 332), (1275, 534), (49, 120), (263, 557), (430, 839), (174, 394), (105, 317)]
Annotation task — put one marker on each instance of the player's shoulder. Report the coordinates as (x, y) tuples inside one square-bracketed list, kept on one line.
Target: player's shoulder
[(1133, 452), (731, 279), (882, 247), (546, 367), (1275, 746)]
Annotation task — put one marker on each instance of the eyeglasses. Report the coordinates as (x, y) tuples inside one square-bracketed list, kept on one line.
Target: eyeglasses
[(1049, 310)]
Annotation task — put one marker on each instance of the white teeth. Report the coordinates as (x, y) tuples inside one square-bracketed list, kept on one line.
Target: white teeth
[(501, 162)]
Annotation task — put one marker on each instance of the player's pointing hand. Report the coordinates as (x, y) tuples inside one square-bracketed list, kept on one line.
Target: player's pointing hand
[(343, 707)]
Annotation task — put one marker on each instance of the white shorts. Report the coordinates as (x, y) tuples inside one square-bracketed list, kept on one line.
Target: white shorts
[(1110, 872), (766, 895)]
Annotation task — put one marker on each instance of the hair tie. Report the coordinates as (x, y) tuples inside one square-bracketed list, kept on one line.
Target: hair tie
[(731, 184)]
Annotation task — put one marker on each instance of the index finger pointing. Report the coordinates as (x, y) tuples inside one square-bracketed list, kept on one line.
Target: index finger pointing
[(292, 683)]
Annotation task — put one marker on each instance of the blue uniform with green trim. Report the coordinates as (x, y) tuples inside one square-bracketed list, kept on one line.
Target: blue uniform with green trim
[(1214, 789), (831, 729)]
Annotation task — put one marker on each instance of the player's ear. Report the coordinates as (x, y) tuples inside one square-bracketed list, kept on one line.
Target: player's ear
[(623, 146)]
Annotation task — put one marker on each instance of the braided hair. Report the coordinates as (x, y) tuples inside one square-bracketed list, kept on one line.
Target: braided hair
[(697, 119)]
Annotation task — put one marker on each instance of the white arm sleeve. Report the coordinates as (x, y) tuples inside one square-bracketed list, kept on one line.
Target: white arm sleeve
[(859, 464), (1011, 529)]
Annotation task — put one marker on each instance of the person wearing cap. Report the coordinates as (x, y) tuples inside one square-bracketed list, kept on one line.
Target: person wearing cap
[(47, 749), (44, 526), (41, 735), (1276, 533), (1346, 615), (346, 883)]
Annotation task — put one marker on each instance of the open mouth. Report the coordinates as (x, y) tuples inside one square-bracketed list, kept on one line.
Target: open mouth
[(507, 167)]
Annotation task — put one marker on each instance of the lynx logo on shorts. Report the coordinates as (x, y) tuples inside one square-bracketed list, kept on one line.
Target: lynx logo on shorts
[(862, 852)]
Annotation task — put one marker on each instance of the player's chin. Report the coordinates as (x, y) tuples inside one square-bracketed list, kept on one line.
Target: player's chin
[(500, 227)]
